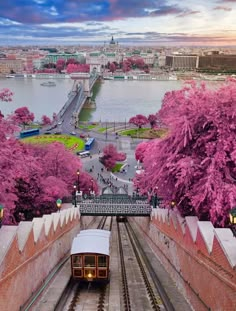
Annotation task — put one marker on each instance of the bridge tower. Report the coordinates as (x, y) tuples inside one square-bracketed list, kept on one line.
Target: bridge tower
[(82, 78)]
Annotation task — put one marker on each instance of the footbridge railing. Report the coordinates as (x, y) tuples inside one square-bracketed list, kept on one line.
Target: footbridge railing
[(115, 205), (96, 209)]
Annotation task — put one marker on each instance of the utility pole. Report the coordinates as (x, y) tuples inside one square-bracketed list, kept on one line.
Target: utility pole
[(106, 130)]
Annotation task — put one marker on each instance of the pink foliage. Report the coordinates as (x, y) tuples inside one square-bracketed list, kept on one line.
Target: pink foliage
[(77, 68), (46, 120), (6, 95), (141, 150), (139, 120), (126, 65), (88, 183), (60, 65), (152, 118), (33, 177), (111, 156), (23, 116), (112, 67), (195, 165)]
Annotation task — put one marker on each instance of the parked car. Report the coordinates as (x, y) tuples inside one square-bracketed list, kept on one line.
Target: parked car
[(48, 133), (72, 133), (82, 135), (57, 133)]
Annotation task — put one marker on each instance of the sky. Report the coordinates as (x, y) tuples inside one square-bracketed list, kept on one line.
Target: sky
[(131, 22)]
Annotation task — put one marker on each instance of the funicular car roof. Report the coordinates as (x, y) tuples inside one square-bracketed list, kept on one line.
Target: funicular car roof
[(101, 232), (91, 241)]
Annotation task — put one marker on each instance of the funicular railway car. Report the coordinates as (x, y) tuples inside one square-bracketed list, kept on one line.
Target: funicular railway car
[(90, 255)]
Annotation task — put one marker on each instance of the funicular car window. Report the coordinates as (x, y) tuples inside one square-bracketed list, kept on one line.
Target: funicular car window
[(77, 261), (89, 261), (102, 261)]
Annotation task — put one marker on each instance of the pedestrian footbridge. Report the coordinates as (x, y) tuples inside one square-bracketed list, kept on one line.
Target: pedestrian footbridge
[(115, 205)]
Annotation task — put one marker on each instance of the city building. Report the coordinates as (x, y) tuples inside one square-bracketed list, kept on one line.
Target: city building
[(217, 62), (53, 57), (187, 62), (11, 66)]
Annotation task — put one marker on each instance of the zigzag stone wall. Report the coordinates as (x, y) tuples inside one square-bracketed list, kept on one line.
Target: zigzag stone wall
[(200, 258), (29, 252)]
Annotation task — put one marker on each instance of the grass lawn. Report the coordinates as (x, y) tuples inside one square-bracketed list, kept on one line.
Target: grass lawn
[(117, 167), (144, 133), (134, 132), (89, 127), (101, 130), (70, 142)]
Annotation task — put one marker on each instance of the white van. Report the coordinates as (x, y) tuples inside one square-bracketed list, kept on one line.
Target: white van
[(83, 154)]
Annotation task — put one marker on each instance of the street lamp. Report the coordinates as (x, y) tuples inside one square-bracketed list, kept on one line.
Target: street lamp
[(1, 215), (59, 203), (75, 194), (172, 204), (78, 180), (232, 219)]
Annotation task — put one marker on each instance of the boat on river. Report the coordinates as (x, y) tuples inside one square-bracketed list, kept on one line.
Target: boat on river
[(48, 83)]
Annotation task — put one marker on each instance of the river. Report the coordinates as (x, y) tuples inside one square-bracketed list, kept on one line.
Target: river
[(115, 100)]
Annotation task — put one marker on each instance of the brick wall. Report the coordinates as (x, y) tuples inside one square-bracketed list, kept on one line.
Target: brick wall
[(200, 259), (29, 252)]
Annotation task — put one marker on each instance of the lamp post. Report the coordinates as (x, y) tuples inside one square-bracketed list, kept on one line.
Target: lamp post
[(78, 179), (232, 219), (172, 204), (59, 203), (1, 215), (106, 130), (155, 198), (75, 195)]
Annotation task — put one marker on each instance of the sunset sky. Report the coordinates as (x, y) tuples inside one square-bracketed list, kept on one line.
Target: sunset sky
[(131, 22)]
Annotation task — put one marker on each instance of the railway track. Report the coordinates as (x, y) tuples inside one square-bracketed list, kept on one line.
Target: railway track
[(138, 289), (86, 296)]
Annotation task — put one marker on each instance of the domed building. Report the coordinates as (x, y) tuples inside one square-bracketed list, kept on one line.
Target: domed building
[(113, 45)]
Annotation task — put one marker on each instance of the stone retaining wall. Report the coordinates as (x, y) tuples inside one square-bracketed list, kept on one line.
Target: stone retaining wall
[(29, 251), (200, 258)]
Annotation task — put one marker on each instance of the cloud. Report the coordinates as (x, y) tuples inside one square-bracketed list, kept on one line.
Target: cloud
[(165, 10), (188, 13), (45, 11), (223, 8), (96, 20)]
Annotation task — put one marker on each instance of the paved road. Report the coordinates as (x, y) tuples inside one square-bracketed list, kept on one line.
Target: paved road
[(123, 144), (118, 179)]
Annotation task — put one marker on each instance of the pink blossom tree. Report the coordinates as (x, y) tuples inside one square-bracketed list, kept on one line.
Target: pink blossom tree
[(77, 68), (23, 116), (194, 166), (111, 156), (49, 175), (112, 67), (141, 150), (60, 65), (139, 120), (152, 118), (33, 177), (46, 120), (6, 95), (126, 66)]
